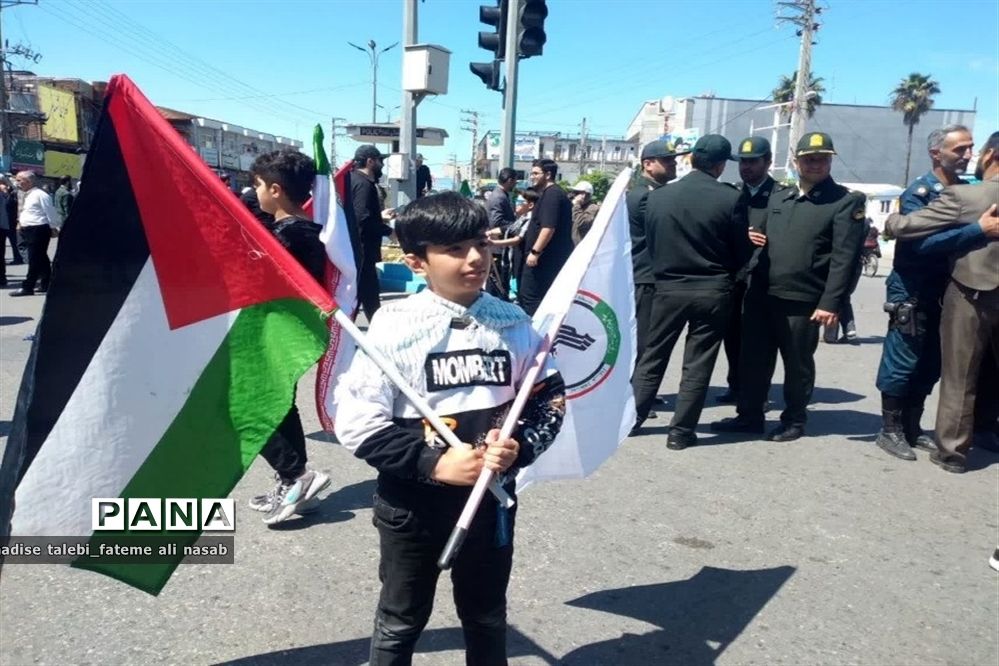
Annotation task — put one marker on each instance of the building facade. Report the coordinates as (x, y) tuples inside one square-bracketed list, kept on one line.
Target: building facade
[(55, 121), (870, 140), (574, 154)]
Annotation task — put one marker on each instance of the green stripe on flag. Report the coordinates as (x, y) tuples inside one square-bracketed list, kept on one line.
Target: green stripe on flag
[(322, 163), (241, 397)]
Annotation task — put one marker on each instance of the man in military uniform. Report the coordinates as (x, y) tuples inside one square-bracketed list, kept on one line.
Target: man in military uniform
[(658, 168), (695, 230), (755, 158), (910, 357), (811, 242)]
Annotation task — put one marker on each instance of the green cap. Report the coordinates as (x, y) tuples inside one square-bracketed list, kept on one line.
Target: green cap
[(815, 143), (714, 148), (753, 147)]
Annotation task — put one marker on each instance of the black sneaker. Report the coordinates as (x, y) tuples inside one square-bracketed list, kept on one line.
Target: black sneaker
[(738, 424), (893, 443), (22, 292)]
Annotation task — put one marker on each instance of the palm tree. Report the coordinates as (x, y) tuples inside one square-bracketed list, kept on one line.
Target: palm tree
[(913, 96), (784, 92)]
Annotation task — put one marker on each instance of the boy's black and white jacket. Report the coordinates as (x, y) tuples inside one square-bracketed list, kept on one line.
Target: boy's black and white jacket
[(468, 363)]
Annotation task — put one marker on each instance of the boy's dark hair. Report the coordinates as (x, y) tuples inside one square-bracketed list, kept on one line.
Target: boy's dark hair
[(290, 169), (66, 180), (530, 195), (992, 143), (439, 219), (548, 166)]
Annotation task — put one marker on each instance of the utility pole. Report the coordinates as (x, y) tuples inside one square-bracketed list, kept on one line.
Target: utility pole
[(803, 14), (508, 137), (582, 148), (603, 152), (334, 133), (472, 118), (454, 172)]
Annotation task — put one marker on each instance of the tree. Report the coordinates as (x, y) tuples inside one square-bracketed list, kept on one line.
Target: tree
[(784, 92), (913, 96), (601, 184)]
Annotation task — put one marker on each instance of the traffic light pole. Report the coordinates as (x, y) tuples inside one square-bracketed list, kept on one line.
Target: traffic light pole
[(510, 92), (407, 121)]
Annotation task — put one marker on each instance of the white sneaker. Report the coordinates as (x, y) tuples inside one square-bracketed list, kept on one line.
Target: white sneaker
[(268, 501), (297, 497)]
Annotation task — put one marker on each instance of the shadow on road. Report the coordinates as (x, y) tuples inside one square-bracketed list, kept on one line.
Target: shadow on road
[(699, 617), (11, 320), (842, 422), (355, 652)]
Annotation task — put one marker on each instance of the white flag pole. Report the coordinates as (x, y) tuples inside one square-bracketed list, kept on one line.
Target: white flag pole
[(551, 324), (418, 400)]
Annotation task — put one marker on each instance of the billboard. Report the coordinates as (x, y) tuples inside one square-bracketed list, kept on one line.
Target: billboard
[(683, 139), (525, 148), (59, 108), (63, 164)]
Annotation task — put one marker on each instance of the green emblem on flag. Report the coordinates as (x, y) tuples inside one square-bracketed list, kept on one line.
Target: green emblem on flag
[(588, 344)]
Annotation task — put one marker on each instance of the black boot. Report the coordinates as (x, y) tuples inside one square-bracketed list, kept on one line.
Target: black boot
[(891, 439), (914, 435)]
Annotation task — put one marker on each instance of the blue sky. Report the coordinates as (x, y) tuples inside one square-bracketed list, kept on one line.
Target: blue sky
[(280, 67)]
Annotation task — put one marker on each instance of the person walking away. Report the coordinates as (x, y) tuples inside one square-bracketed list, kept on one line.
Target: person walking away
[(37, 222)]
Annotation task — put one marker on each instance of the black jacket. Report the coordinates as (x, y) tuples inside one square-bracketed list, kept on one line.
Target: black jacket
[(636, 200), (813, 244), (697, 233)]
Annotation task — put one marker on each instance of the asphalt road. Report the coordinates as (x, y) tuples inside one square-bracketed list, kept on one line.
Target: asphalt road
[(820, 551)]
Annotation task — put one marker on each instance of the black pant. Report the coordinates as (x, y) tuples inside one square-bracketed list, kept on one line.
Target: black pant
[(770, 325), (644, 294), (35, 244), (733, 336), (411, 541), (536, 281), (368, 289), (706, 314), (11, 236), (285, 450)]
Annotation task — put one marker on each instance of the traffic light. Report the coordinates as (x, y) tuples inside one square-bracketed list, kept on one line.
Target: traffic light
[(531, 28), (494, 41), (489, 72)]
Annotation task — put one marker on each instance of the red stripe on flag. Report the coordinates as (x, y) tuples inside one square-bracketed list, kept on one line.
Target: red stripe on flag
[(211, 255), (328, 363)]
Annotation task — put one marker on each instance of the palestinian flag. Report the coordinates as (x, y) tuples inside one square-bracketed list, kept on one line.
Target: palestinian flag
[(170, 344), (329, 205)]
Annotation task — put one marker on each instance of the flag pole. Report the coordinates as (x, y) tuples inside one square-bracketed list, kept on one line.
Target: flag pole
[(487, 476), (418, 400), (550, 324)]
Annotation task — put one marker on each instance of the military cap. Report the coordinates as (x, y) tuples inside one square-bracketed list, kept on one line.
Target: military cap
[(753, 147), (659, 149), (815, 143), (714, 148)]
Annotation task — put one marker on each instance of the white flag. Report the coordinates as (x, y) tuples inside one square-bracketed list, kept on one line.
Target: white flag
[(341, 273), (595, 345)]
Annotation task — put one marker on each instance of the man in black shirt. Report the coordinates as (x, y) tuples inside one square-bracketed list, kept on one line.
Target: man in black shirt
[(424, 182), (696, 235), (370, 222), (549, 236)]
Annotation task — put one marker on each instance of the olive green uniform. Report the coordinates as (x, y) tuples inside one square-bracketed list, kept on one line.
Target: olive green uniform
[(813, 245)]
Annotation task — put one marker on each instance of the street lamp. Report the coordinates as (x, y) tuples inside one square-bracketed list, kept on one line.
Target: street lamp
[(373, 54), (388, 111)]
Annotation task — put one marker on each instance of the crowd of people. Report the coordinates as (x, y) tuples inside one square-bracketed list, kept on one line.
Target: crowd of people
[(755, 268)]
